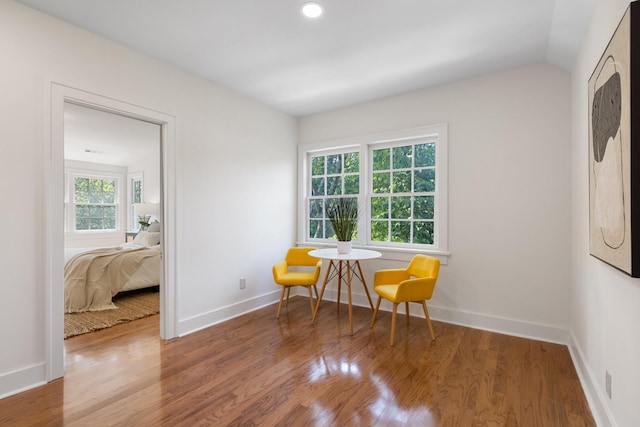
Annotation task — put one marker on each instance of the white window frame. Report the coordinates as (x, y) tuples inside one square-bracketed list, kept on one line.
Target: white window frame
[(70, 211), (132, 221), (365, 145)]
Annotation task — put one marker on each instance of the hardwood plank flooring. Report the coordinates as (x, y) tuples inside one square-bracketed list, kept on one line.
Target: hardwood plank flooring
[(258, 370)]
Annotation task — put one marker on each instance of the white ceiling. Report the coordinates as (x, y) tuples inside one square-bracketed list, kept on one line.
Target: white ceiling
[(358, 51), (101, 137)]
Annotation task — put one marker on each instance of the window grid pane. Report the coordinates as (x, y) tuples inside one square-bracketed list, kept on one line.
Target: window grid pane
[(334, 186), (425, 154), (423, 232), (317, 166), (425, 180)]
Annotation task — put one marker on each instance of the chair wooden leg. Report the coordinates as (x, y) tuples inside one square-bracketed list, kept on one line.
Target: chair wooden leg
[(288, 292), (280, 303), (316, 289), (426, 314), (375, 312), (406, 309), (393, 322), (311, 301)]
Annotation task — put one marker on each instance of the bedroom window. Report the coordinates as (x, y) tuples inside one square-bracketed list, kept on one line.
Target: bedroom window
[(135, 194), (399, 179), (94, 201), (136, 186)]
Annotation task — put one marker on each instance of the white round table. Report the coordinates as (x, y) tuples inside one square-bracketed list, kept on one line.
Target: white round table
[(336, 263)]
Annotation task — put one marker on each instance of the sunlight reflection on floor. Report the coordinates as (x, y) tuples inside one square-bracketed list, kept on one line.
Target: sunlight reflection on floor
[(384, 407)]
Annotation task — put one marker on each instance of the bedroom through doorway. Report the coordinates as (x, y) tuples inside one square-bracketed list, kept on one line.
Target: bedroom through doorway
[(54, 211), (112, 221)]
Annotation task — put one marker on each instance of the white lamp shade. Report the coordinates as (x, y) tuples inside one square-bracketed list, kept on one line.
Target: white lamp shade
[(146, 209)]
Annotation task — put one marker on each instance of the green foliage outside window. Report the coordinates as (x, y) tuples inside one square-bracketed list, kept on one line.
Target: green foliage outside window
[(403, 184), (95, 203), (332, 176), (137, 191)]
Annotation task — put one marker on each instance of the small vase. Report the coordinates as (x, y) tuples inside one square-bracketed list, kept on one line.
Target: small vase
[(344, 247)]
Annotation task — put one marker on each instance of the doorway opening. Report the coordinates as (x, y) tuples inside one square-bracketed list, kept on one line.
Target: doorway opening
[(64, 96), (112, 250)]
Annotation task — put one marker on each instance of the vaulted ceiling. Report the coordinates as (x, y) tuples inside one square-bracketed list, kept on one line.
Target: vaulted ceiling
[(359, 50)]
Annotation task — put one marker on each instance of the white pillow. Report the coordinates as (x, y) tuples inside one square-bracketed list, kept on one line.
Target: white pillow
[(153, 227), (147, 238)]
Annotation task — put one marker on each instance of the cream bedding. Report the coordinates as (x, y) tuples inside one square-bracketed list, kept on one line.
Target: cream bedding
[(93, 277)]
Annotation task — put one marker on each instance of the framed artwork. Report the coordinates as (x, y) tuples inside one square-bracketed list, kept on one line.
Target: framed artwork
[(614, 149)]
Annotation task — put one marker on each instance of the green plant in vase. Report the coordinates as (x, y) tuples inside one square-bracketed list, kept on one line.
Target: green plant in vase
[(143, 220), (343, 215)]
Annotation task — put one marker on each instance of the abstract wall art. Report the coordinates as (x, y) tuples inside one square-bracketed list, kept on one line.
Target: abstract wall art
[(614, 149)]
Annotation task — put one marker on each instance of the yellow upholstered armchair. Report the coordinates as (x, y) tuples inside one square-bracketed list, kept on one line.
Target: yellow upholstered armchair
[(288, 277), (412, 284)]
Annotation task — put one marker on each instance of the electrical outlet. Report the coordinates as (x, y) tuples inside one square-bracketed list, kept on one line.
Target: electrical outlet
[(243, 283), (607, 382)]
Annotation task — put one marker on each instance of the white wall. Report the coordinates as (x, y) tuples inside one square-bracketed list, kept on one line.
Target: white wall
[(509, 195), (235, 178), (605, 309)]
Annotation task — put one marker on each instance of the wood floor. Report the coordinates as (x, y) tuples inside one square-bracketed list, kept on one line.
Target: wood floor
[(256, 370)]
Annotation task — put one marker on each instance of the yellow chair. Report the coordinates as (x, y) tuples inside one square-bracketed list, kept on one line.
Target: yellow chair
[(282, 275), (412, 284)]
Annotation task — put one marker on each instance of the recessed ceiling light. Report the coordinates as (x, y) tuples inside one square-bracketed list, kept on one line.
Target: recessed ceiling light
[(312, 9)]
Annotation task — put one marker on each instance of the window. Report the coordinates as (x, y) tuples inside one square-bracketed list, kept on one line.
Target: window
[(94, 199), (136, 190), (399, 179), (403, 184), (95, 204), (332, 176)]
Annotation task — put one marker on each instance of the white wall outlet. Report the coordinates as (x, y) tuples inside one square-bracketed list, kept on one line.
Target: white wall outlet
[(607, 382), (243, 283)]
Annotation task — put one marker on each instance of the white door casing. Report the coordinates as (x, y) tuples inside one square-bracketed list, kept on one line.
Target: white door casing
[(53, 212)]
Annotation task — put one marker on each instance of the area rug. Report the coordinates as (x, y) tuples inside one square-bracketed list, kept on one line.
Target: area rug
[(131, 306)]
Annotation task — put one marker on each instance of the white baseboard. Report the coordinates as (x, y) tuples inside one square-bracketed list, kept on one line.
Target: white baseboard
[(202, 321), (24, 379), (458, 317), (501, 325), (594, 394)]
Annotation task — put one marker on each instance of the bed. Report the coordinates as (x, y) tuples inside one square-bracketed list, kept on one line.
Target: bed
[(93, 276)]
